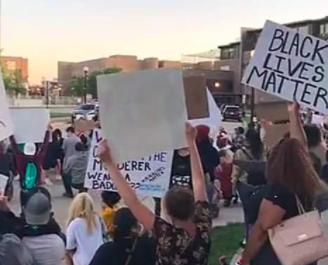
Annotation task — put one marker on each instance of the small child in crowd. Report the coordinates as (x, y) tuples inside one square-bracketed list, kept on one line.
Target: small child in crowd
[(110, 200)]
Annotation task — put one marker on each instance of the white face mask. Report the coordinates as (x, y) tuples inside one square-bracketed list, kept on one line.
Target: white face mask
[(29, 149)]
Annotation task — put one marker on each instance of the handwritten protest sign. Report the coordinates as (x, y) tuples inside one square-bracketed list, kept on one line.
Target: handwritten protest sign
[(291, 66), (148, 176), (30, 124), (6, 125), (142, 113)]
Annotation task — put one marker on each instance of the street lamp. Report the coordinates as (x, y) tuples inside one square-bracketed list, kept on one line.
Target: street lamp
[(86, 72)]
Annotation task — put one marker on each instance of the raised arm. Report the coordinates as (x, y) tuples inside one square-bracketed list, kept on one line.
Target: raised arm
[(198, 178), (140, 211), (14, 146), (45, 143), (296, 127)]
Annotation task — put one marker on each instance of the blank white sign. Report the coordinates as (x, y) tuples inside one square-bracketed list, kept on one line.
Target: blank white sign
[(142, 113), (30, 124), (6, 125)]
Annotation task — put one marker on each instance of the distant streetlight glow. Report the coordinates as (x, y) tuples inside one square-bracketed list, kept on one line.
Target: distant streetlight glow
[(217, 84)]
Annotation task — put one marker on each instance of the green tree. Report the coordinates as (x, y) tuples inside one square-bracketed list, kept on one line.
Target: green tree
[(92, 81), (76, 86), (14, 82)]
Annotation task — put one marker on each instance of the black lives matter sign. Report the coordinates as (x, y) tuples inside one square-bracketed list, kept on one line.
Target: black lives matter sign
[(291, 66)]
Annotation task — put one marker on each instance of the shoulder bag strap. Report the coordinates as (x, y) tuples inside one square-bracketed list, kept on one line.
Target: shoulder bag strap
[(247, 154), (300, 207), (131, 252)]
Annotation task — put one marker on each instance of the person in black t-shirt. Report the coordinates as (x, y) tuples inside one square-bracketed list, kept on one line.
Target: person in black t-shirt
[(128, 246), (181, 169)]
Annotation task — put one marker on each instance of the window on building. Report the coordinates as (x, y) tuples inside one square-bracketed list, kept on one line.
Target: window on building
[(11, 65), (324, 29), (303, 29), (227, 53)]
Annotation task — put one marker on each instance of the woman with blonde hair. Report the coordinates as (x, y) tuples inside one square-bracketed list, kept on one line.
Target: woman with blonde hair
[(84, 232)]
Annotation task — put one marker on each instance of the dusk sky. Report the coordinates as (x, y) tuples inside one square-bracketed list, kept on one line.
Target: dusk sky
[(47, 31)]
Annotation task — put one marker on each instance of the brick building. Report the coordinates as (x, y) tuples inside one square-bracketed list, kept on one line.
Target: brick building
[(12, 64), (127, 63)]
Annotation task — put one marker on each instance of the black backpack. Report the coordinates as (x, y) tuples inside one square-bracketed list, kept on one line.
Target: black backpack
[(255, 170)]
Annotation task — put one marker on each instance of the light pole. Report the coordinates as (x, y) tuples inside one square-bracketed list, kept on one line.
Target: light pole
[(86, 72)]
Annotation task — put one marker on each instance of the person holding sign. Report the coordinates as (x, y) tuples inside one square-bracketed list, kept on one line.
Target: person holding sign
[(29, 163), (292, 178), (186, 240)]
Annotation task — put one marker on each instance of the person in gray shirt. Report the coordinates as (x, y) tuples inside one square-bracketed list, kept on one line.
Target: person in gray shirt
[(74, 170), (69, 144)]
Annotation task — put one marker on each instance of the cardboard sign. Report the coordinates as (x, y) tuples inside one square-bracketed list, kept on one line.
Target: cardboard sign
[(149, 176), (84, 125), (3, 183), (30, 124), (274, 111), (290, 65), (196, 97), (215, 116), (6, 124), (143, 112), (274, 133)]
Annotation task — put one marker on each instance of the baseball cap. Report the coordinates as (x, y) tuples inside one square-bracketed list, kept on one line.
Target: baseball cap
[(29, 149), (37, 206)]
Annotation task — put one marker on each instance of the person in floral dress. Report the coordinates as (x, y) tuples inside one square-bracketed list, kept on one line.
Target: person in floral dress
[(183, 237)]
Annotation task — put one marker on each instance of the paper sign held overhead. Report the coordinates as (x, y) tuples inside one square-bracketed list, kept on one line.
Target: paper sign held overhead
[(82, 125), (142, 112), (196, 97), (291, 66), (149, 176), (3, 183), (30, 124), (215, 117), (6, 124), (273, 111)]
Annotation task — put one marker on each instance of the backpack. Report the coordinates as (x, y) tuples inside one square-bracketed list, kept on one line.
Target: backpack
[(14, 252), (255, 170), (31, 174)]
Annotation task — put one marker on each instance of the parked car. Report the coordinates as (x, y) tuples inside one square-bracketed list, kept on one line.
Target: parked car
[(86, 112), (232, 113)]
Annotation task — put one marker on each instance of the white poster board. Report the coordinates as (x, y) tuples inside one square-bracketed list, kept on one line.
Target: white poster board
[(149, 176), (142, 113), (6, 124), (290, 65), (30, 124), (3, 183)]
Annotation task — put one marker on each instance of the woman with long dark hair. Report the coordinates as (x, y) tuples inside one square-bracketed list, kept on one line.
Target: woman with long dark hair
[(290, 174), (129, 246)]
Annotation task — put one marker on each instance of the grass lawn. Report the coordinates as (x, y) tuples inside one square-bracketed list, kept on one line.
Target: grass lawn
[(225, 242), (59, 115)]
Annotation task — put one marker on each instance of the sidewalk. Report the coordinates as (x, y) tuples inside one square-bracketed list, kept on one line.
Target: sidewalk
[(230, 215)]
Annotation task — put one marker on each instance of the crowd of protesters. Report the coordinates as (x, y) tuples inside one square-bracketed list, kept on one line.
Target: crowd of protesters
[(268, 182)]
